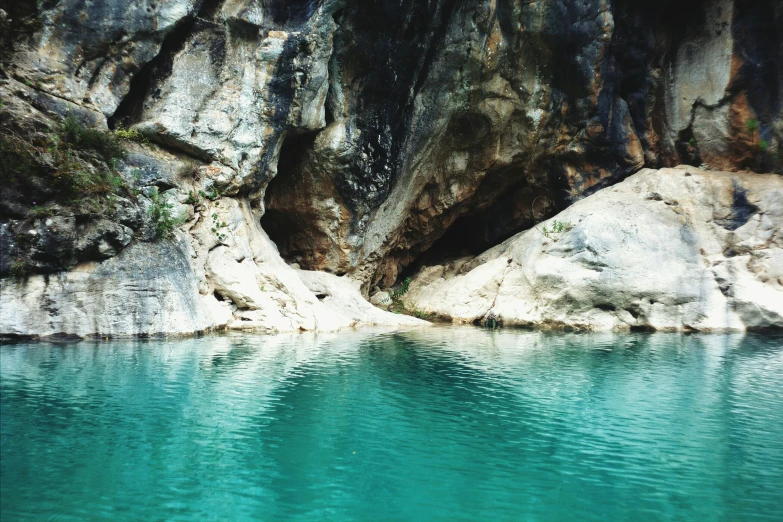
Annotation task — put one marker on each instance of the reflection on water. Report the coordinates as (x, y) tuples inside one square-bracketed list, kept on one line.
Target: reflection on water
[(442, 423)]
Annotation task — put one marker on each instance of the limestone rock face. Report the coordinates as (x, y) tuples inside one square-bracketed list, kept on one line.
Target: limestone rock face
[(145, 290), (192, 284), (88, 52), (673, 249), (351, 137), (490, 116)]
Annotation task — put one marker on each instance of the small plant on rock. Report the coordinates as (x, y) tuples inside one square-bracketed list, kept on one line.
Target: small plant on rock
[(212, 195), (131, 135), (161, 215), (218, 226), (402, 290), (492, 321), (193, 198), (76, 136), (558, 229)]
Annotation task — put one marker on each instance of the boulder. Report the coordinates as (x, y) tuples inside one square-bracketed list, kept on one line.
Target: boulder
[(673, 249)]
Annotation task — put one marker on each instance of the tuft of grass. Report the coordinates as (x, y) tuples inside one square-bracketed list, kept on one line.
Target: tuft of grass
[(77, 163), (75, 136), (40, 211), (763, 145), (131, 135), (752, 125)]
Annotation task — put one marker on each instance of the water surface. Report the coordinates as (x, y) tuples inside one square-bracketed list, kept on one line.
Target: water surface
[(441, 424)]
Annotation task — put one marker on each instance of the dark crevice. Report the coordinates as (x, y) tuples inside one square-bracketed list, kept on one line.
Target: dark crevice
[(209, 9), (289, 12), (644, 328), (687, 148), (153, 73), (150, 75)]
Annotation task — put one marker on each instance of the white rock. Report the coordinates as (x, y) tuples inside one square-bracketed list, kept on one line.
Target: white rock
[(236, 281), (382, 299), (674, 249)]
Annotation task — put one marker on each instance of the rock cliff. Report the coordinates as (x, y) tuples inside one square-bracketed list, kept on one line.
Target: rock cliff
[(172, 166)]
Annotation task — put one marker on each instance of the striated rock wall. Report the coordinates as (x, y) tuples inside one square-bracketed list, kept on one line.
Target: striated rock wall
[(359, 135)]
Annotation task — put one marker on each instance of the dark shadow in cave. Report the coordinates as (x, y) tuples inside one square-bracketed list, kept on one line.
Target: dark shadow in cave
[(287, 216), (504, 210)]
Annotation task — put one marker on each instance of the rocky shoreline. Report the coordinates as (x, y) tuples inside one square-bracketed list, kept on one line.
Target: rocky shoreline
[(171, 168)]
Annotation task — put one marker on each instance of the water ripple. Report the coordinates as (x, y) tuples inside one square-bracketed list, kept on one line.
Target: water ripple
[(443, 424)]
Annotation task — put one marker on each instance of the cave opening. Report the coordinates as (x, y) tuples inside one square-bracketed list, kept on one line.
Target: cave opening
[(505, 204), (287, 216)]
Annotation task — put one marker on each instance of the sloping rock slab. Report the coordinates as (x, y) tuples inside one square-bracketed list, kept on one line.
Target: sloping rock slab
[(673, 249)]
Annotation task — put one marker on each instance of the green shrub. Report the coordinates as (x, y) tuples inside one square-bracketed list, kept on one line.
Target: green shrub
[(131, 135), (19, 269), (752, 125), (763, 145), (161, 215)]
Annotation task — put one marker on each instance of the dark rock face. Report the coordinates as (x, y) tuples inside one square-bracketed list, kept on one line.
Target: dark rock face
[(362, 133), (547, 103)]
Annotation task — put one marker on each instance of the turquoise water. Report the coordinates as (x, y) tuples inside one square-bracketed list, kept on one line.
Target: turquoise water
[(442, 424)]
